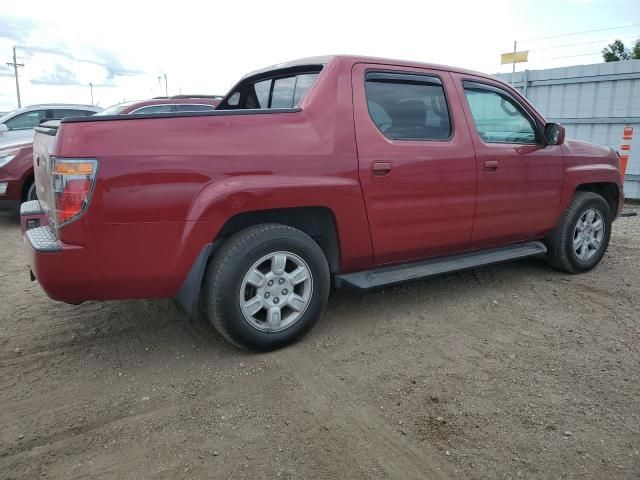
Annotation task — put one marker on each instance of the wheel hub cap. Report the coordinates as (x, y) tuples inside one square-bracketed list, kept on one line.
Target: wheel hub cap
[(276, 291), (588, 234)]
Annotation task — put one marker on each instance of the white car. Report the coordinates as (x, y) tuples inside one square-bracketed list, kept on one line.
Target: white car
[(19, 124)]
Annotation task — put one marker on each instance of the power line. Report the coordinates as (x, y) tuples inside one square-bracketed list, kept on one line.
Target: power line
[(580, 33), (15, 66), (569, 56), (583, 43)]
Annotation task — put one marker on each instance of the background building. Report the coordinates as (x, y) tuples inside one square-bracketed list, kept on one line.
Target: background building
[(593, 102)]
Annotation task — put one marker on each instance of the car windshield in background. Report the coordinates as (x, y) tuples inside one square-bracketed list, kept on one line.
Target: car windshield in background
[(173, 108), (115, 109), (192, 107), (6, 115), (26, 121), (159, 108)]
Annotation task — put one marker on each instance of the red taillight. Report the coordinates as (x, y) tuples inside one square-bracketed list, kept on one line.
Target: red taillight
[(70, 202), (72, 184)]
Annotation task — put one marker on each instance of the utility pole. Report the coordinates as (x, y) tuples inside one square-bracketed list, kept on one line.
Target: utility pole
[(15, 66), (91, 87), (166, 88), (160, 84), (513, 71)]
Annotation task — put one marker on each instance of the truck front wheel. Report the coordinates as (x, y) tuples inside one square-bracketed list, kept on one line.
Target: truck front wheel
[(266, 287), (580, 239)]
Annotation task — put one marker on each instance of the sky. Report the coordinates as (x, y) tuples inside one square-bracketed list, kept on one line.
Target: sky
[(122, 47)]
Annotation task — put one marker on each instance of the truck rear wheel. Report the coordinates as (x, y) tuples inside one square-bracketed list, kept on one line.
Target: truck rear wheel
[(32, 194), (266, 287), (580, 239)]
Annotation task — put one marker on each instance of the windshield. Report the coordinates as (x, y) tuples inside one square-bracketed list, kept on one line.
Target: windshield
[(115, 109), (7, 116)]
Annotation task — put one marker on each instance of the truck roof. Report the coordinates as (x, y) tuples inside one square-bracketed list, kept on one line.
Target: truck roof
[(353, 59)]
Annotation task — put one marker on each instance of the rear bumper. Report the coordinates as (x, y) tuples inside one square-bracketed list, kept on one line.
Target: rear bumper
[(32, 216), (63, 271), (122, 267)]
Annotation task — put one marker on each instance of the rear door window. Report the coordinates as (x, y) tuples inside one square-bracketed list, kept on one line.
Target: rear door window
[(408, 106)]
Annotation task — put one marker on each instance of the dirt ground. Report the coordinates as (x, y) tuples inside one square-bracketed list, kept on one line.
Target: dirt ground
[(512, 371)]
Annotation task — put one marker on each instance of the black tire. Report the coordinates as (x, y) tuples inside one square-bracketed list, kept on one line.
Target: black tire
[(224, 279), (32, 194), (561, 254)]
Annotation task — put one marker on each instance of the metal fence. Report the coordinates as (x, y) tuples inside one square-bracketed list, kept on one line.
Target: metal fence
[(593, 102)]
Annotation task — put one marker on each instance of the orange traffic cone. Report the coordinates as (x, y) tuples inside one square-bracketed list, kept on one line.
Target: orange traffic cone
[(625, 148)]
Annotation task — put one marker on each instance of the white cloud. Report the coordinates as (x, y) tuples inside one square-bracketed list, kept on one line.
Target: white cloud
[(204, 47)]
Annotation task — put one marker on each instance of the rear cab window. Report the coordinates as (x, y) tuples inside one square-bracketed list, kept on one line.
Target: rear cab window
[(408, 106), (273, 90)]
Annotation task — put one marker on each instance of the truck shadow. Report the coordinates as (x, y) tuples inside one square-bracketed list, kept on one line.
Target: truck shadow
[(115, 331), (160, 322), (9, 217)]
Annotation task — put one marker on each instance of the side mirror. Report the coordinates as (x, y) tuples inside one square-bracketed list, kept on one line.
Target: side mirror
[(553, 134), (3, 128)]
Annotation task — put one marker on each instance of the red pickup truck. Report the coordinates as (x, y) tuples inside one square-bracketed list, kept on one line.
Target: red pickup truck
[(347, 171)]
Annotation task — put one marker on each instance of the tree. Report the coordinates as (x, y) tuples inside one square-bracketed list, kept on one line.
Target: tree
[(616, 51), (635, 51)]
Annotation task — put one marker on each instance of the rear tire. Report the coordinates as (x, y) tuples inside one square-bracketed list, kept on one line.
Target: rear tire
[(580, 239), (266, 287), (32, 194)]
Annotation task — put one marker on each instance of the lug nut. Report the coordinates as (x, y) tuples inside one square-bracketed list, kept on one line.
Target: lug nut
[(270, 282), (281, 281), (285, 291), (276, 300), (267, 295)]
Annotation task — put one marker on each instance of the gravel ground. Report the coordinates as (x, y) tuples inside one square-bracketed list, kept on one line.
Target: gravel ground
[(511, 371)]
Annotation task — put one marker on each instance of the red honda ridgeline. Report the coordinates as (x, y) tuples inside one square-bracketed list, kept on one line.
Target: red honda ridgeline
[(356, 172)]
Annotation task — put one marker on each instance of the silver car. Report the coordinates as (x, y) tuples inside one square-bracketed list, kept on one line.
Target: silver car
[(19, 124)]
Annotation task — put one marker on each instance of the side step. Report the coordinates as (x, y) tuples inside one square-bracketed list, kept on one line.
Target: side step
[(437, 266)]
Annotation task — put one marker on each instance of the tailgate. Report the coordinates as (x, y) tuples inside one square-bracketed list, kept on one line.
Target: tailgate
[(44, 145)]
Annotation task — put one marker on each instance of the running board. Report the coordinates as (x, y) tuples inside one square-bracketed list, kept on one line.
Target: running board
[(437, 266)]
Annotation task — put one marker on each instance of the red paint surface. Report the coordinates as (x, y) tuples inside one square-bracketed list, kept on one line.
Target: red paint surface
[(17, 171)]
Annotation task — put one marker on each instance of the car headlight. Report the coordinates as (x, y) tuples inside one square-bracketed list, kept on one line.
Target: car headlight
[(7, 156)]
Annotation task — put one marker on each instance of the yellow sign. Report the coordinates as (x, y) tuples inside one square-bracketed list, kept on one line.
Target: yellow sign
[(518, 57)]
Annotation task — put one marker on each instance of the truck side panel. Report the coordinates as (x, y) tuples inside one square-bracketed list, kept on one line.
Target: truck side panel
[(166, 186)]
